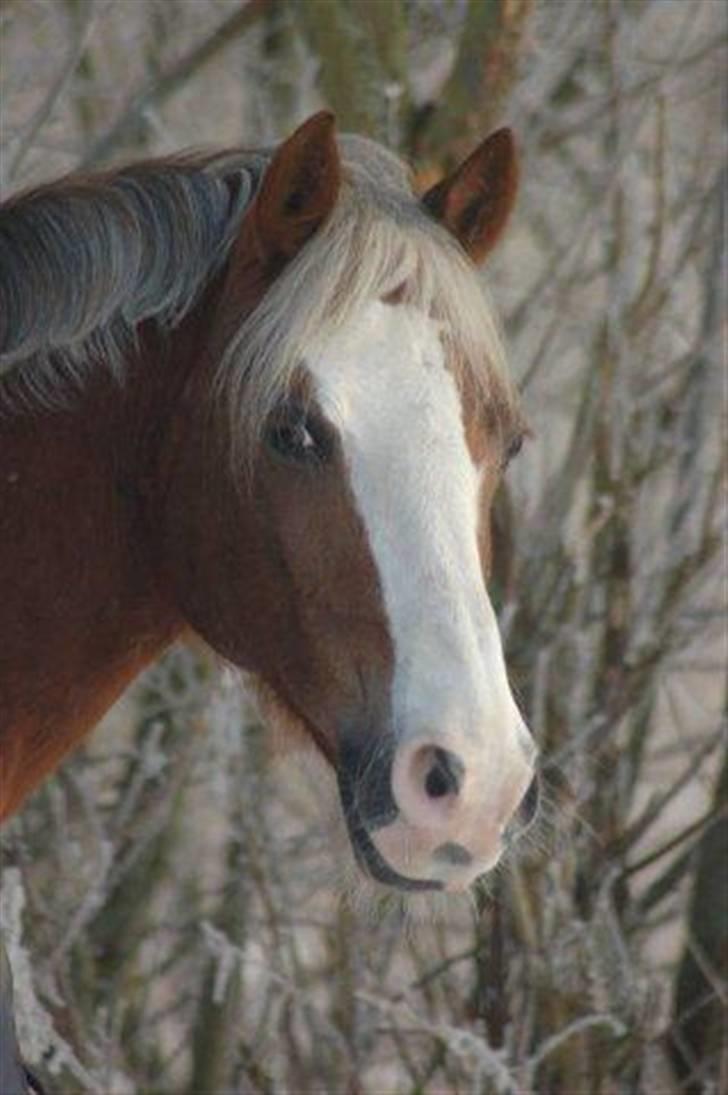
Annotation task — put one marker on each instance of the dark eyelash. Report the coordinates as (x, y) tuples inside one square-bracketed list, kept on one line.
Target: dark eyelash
[(513, 448), (287, 428)]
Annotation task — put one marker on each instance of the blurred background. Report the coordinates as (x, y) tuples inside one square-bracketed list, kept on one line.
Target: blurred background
[(167, 899)]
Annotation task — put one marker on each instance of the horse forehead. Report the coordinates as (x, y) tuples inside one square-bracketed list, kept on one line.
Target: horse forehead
[(386, 365)]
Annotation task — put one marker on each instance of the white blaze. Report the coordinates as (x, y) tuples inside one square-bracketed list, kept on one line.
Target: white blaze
[(384, 384)]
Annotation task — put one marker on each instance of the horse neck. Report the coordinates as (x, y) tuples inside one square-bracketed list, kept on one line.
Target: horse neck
[(82, 614)]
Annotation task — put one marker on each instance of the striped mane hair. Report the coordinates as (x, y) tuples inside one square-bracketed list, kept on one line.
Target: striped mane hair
[(86, 260)]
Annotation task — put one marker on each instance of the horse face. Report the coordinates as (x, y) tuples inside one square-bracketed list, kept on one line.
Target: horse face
[(436, 766), (349, 577), (348, 574)]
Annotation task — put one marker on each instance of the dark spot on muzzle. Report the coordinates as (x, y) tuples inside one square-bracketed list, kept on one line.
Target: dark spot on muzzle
[(455, 855), (364, 774), (529, 803)]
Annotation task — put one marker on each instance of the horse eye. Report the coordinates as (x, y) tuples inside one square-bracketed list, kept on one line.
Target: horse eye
[(512, 449), (296, 436)]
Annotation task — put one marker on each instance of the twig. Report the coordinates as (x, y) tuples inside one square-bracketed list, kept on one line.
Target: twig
[(709, 818), (157, 91), (56, 91)]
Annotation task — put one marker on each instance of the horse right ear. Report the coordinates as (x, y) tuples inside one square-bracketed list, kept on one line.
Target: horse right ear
[(476, 200), (298, 191)]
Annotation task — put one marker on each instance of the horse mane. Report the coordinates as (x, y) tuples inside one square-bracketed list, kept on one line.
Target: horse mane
[(84, 261)]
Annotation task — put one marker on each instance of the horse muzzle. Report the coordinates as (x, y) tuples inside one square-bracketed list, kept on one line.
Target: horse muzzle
[(424, 815)]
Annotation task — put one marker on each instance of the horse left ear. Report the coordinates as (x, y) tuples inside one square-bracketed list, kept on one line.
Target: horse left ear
[(475, 201), (299, 189)]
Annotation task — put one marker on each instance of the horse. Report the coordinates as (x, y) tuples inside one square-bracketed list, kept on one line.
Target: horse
[(260, 397)]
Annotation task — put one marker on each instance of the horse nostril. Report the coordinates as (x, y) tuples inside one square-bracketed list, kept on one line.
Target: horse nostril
[(445, 775), (529, 803)]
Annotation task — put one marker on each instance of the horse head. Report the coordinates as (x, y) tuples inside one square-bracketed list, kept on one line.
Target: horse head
[(321, 503)]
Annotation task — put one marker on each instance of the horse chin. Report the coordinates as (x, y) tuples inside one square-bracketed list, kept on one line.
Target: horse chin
[(368, 856), (364, 868)]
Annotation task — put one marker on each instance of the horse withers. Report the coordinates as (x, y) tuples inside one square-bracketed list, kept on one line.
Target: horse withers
[(261, 397)]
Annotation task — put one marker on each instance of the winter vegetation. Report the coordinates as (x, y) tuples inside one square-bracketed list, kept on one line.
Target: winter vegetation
[(178, 914)]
